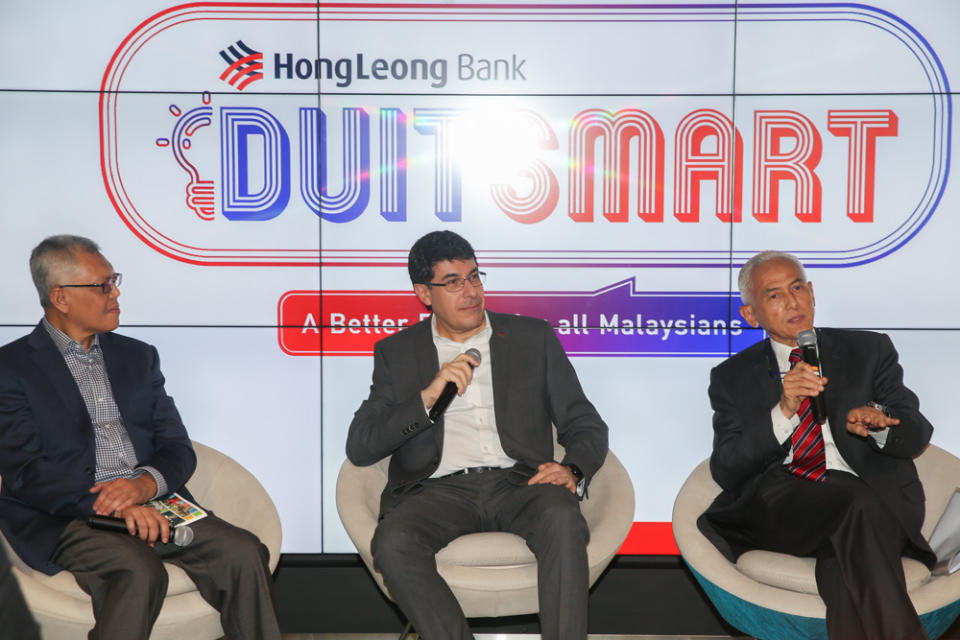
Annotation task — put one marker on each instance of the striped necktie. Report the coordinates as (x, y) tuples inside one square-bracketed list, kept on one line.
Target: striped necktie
[(809, 461)]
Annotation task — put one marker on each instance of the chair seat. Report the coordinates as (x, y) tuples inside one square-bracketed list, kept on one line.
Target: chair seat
[(494, 549), (65, 583), (493, 573), (64, 611), (797, 574)]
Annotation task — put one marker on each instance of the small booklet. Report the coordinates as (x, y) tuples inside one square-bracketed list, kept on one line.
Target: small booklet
[(178, 510), (945, 540)]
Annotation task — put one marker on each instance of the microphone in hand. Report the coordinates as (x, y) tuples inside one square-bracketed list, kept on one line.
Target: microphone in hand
[(807, 340), (449, 392), (180, 536)]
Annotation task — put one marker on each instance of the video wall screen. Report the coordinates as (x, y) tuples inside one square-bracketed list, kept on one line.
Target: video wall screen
[(258, 171)]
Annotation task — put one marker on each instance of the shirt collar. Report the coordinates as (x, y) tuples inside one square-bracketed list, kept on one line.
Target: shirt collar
[(66, 344), (782, 353)]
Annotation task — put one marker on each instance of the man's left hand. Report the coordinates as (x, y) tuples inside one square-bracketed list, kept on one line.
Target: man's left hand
[(555, 473), (117, 495), (863, 420)]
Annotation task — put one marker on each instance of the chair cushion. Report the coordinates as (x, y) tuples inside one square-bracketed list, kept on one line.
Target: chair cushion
[(65, 583), (493, 549), (797, 574)]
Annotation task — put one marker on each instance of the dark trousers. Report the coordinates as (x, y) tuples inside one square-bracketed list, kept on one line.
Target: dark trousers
[(547, 517), (127, 582), (16, 623), (856, 541)]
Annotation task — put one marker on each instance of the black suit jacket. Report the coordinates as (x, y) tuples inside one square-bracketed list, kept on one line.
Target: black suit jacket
[(534, 387), (860, 366), (47, 458)]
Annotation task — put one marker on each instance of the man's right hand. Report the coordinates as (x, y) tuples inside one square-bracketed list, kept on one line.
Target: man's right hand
[(458, 371), (147, 523), (800, 382)]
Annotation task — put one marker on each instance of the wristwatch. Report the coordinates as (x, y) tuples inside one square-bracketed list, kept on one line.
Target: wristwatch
[(581, 481), (879, 407)]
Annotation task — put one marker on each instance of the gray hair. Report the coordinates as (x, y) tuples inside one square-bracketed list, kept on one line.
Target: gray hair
[(745, 281), (53, 256)]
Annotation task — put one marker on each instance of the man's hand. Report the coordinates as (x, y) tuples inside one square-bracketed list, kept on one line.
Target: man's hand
[(863, 420), (800, 382), (146, 522), (119, 494), (555, 473), (458, 371)]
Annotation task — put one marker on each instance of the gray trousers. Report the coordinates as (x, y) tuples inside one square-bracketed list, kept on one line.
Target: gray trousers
[(127, 582), (546, 516)]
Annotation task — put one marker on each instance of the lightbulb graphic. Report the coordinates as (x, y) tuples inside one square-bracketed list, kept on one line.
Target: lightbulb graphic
[(200, 194)]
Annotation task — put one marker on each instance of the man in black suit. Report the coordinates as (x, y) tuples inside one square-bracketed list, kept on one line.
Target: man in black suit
[(845, 492), (87, 428), (487, 463)]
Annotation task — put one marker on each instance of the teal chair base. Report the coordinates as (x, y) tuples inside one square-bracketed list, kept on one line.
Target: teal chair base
[(769, 624)]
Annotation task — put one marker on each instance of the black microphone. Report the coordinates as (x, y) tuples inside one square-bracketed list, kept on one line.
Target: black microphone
[(808, 346), (449, 392), (182, 535)]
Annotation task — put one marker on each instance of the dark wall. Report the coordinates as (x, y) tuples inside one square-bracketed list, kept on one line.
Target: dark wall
[(649, 595)]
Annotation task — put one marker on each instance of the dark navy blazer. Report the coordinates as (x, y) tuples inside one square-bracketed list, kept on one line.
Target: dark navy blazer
[(47, 459)]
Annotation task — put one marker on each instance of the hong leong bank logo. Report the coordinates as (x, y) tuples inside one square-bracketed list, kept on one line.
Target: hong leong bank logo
[(244, 65)]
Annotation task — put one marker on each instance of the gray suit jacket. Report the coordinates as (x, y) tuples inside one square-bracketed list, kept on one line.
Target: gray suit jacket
[(860, 366), (534, 386)]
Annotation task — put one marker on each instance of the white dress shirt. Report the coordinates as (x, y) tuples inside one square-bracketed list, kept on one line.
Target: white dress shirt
[(783, 427), (470, 437)]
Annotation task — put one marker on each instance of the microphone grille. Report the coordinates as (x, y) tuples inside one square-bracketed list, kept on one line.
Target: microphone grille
[(473, 353), (807, 338), (182, 536)]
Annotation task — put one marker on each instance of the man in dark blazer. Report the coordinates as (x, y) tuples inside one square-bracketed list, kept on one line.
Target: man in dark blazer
[(86, 428), (487, 463), (848, 495)]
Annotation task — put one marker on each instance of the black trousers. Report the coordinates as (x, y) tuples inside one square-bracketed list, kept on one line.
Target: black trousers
[(856, 541), (16, 623), (127, 582), (546, 516)]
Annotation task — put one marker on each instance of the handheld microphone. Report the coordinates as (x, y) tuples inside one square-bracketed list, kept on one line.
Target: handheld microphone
[(182, 535), (449, 392), (808, 347)]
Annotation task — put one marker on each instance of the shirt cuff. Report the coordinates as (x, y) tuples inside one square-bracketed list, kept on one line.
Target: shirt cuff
[(880, 437), (162, 489), (782, 426)]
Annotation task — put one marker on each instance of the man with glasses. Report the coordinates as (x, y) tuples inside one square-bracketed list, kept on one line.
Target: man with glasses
[(86, 428), (486, 463)]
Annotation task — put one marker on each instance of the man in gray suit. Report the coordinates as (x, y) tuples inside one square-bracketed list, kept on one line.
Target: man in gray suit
[(486, 464)]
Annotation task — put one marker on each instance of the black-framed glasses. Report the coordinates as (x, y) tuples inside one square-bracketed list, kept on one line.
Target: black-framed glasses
[(106, 286), (456, 284)]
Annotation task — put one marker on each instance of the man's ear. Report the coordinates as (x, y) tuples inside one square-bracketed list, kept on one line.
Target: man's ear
[(424, 293), (58, 299), (747, 312)]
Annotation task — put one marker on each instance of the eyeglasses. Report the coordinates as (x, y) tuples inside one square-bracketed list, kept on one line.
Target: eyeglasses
[(106, 286), (456, 284)]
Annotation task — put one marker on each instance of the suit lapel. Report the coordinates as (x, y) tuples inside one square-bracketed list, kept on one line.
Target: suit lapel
[(499, 359), (834, 367), (50, 362), (767, 373), (427, 363), (117, 372)]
